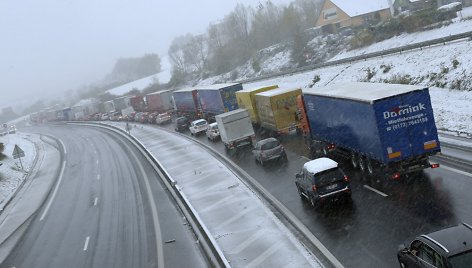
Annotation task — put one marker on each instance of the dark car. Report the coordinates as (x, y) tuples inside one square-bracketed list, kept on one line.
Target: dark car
[(268, 149), (181, 124), (322, 179), (446, 248)]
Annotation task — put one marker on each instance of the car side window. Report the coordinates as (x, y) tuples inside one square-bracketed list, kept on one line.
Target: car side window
[(427, 254), (415, 247), (438, 261)]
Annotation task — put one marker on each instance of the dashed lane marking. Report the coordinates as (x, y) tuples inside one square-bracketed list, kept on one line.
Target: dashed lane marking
[(86, 243), (375, 190), (95, 202), (98, 176)]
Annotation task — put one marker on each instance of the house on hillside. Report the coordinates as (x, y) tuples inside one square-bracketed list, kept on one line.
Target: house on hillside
[(338, 14)]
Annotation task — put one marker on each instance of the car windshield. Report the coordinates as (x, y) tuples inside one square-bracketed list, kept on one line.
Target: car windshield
[(181, 120), (463, 260), (328, 176), (270, 145), (200, 123)]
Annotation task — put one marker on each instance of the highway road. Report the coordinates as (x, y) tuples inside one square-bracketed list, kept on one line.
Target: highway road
[(383, 213), (107, 209)]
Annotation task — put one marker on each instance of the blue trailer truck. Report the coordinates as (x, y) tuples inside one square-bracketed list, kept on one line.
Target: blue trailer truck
[(217, 99), (380, 127), (186, 103)]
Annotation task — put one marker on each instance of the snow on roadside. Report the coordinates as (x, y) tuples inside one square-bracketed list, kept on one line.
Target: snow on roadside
[(457, 27), (11, 175), (427, 67)]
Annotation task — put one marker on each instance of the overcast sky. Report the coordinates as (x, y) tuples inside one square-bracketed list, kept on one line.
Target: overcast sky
[(50, 46)]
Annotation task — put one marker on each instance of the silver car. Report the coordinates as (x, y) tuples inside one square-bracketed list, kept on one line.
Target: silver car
[(268, 149), (212, 132)]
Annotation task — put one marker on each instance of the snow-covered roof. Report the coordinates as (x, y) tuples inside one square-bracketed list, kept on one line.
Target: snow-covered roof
[(139, 84), (277, 91), (257, 88), (319, 165), (158, 92), (364, 92), (450, 6), (355, 8), (216, 86), (187, 89)]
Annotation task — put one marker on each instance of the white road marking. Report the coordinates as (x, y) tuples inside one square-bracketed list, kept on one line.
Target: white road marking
[(86, 243), (248, 242), (63, 146), (237, 216), (457, 171), (157, 228), (95, 202), (375, 190), (54, 192), (306, 158), (216, 204), (97, 161), (98, 176), (262, 257)]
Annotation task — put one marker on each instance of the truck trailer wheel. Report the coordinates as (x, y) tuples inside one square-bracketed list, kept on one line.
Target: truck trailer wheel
[(354, 161), (370, 167), (362, 163)]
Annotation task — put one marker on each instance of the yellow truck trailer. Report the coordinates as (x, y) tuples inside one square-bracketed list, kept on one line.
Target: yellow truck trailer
[(246, 100), (277, 109)]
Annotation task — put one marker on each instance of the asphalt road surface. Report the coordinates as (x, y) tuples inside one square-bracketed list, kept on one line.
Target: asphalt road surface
[(383, 213), (107, 209)]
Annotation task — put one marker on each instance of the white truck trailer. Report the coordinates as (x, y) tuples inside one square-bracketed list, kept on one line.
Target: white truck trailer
[(235, 129)]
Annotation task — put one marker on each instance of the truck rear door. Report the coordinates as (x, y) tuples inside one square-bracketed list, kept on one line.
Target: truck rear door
[(422, 130), (407, 125)]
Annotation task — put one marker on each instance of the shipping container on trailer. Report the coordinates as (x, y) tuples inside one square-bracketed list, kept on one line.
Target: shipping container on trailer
[(138, 103), (374, 124), (121, 103), (277, 109), (217, 99), (247, 100), (235, 129), (186, 102), (160, 101)]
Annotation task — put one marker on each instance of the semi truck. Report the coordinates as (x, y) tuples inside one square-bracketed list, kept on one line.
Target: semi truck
[(160, 101), (277, 110), (235, 129), (138, 103), (379, 127), (186, 103), (121, 103), (247, 100), (217, 99)]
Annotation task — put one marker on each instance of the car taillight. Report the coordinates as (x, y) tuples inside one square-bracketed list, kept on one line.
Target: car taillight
[(396, 176), (346, 178), (313, 187), (331, 146), (434, 165)]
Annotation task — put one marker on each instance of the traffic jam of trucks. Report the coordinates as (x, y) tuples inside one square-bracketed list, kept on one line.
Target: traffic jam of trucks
[(381, 129)]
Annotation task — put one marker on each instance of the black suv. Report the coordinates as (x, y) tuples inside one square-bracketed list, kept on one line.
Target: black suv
[(446, 248), (181, 124), (321, 179)]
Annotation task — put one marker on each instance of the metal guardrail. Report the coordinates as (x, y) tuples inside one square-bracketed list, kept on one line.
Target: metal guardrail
[(420, 45)]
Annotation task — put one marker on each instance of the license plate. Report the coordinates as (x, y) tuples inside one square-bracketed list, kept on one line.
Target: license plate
[(331, 187)]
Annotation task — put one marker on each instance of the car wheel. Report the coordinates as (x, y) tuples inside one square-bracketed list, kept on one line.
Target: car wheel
[(300, 192), (312, 202), (370, 168)]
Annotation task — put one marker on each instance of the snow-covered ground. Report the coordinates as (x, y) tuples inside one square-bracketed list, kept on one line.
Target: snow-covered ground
[(11, 174), (139, 84)]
